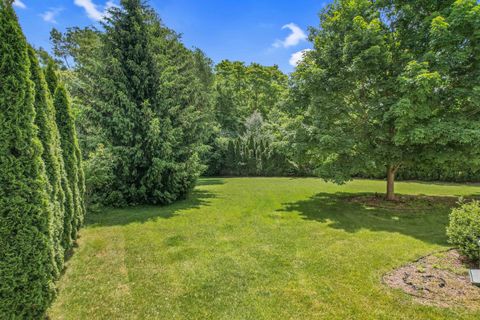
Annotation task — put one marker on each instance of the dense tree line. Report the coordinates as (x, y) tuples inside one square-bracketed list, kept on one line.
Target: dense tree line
[(388, 91), (254, 152), (252, 121), (37, 222)]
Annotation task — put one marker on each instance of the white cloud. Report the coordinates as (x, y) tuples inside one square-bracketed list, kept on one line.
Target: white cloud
[(110, 4), (92, 9), (294, 38), (51, 14), (297, 57), (19, 4)]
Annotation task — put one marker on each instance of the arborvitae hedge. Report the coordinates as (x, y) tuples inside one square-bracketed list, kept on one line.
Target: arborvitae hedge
[(69, 212), (69, 225), (53, 81), (81, 174), (52, 155), (26, 248), (70, 148)]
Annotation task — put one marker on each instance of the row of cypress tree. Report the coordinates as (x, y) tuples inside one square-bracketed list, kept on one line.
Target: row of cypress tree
[(41, 177)]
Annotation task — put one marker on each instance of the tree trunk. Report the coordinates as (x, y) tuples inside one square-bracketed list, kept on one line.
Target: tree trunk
[(391, 170)]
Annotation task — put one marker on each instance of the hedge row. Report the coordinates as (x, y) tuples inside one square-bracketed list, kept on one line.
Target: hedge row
[(41, 182)]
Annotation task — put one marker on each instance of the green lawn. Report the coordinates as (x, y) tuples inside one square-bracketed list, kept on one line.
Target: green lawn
[(255, 248)]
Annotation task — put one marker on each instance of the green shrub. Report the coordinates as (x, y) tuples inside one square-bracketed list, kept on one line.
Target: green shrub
[(464, 229), (100, 177), (150, 106)]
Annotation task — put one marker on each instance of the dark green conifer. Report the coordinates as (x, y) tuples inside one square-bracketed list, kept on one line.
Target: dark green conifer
[(26, 249), (146, 104), (51, 77), (52, 155), (69, 226), (70, 148)]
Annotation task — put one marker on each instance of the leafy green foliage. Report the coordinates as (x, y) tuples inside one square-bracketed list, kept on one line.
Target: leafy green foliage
[(248, 106), (100, 176), (464, 229), (254, 153), (241, 90), (83, 47), (27, 251), (391, 84), (254, 157)]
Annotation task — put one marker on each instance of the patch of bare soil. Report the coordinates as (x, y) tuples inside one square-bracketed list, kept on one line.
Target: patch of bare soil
[(403, 202), (439, 279)]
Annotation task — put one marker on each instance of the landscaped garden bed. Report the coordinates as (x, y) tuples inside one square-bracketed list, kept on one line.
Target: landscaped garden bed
[(440, 279)]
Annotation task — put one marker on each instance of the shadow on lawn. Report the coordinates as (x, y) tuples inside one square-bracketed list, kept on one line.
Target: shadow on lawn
[(442, 183), (141, 214), (210, 181), (427, 224)]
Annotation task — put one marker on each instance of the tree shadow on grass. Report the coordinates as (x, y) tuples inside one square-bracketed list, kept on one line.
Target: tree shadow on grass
[(443, 183), (427, 223), (207, 181), (141, 214)]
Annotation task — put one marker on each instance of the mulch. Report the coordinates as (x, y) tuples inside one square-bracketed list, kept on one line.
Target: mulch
[(439, 279)]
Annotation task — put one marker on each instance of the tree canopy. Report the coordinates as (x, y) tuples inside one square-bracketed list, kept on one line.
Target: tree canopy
[(391, 84)]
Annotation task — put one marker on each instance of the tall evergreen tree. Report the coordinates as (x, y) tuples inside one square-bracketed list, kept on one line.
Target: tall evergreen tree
[(147, 106), (70, 204), (70, 148), (52, 155), (26, 248), (74, 203)]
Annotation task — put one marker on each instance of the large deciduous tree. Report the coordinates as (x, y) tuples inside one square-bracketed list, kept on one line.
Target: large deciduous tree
[(391, 84), (26, 247), (241, 90)]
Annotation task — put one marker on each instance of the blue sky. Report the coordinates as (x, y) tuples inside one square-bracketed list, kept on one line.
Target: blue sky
[(264, 31)]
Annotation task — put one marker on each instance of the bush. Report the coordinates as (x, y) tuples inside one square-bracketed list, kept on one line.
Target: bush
[(100, 177), (464, 229)]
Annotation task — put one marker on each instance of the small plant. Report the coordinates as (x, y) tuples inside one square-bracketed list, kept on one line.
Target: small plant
[(464, 229)]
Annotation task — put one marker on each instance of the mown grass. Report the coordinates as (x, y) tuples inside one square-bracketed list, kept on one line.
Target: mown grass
[(256, 248)]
